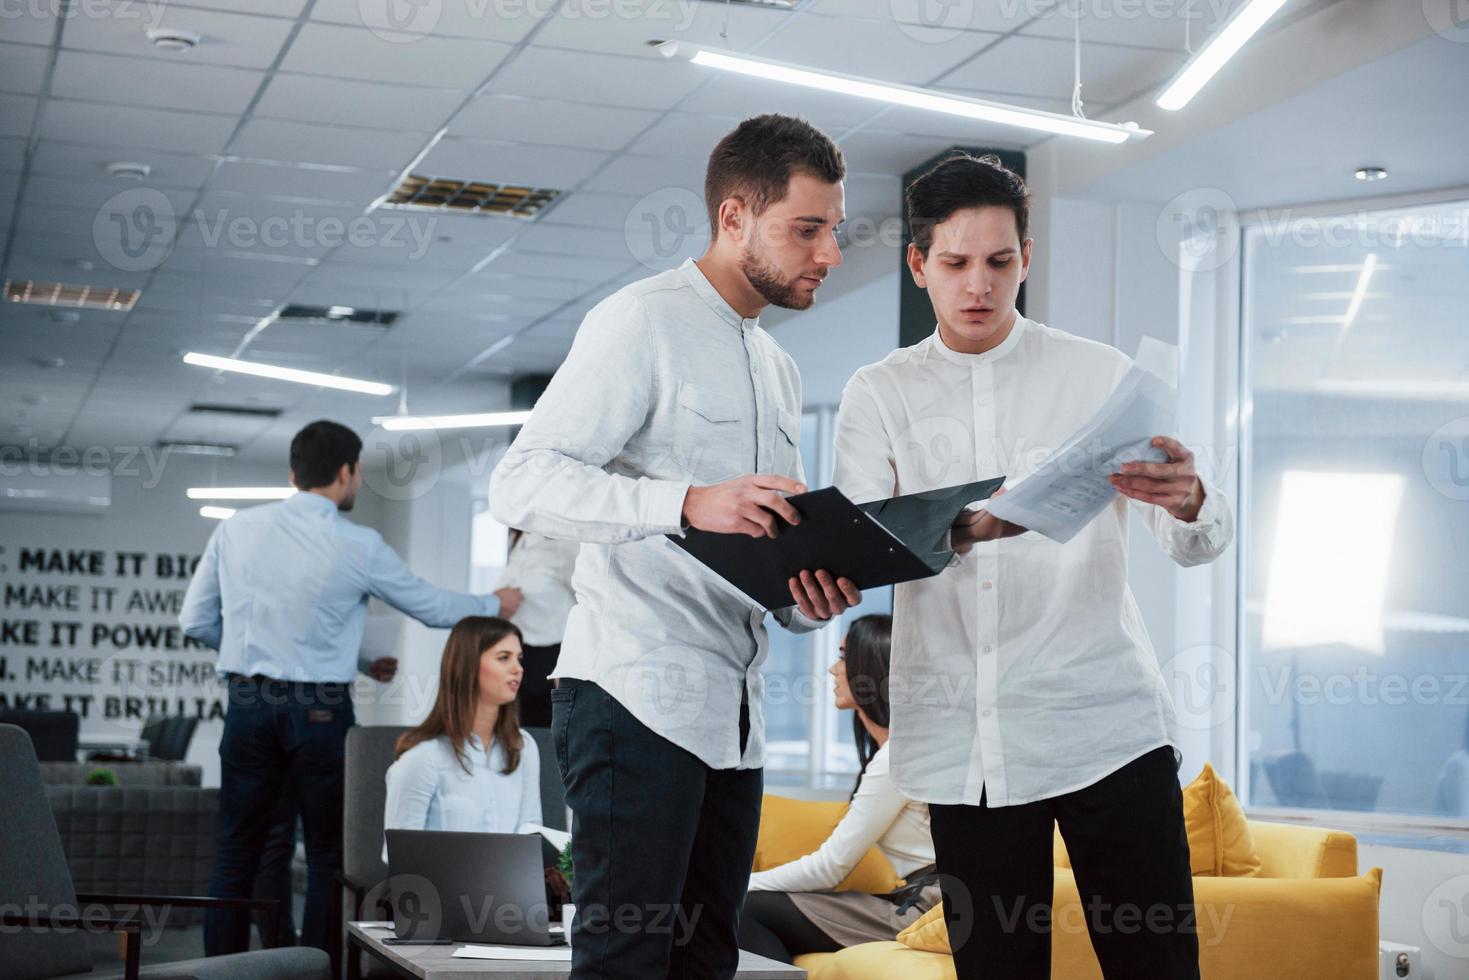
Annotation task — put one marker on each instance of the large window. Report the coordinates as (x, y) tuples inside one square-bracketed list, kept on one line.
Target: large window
[(1354, 626)]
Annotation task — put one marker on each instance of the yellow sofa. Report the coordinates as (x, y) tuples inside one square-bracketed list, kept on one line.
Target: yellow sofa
[(1306, 916)]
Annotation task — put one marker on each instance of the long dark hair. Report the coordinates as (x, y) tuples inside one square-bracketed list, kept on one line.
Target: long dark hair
[(868, 658), (453, 711)]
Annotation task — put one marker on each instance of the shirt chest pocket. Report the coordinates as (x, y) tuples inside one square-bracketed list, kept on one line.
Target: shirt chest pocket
[(788, 443), (709, 438)]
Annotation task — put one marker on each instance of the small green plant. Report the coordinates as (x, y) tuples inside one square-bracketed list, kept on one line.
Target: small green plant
[(564, 864), (101, 777)]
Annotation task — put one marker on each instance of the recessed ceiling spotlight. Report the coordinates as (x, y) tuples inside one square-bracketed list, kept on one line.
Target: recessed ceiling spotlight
[(65, 316), (172, 40), (85, 265), (1371, 173), (124, 170), (50, 363)]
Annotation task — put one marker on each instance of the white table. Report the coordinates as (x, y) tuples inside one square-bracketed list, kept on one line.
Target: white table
[(438, 962)]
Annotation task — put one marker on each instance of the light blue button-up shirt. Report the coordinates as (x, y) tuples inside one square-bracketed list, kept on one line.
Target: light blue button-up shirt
[(282, 588)]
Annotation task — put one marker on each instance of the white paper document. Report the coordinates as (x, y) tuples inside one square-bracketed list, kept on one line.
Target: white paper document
[(541, 953), (558, 838), (1072, 487)]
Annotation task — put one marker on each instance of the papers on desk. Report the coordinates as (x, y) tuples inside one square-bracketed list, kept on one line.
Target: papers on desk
[(540, 953), (1071, 487), (558, 838)]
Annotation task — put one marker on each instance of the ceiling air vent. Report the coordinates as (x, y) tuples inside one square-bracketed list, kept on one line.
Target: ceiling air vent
[(61, 294), (239, 411), (302, 313), (473, 197)]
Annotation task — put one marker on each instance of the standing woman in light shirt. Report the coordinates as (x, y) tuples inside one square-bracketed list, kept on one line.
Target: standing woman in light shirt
[(792, 909), (468, 766), (540, 569)]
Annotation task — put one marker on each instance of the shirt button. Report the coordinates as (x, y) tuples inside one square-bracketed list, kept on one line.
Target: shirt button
[(988, 586), (985, 713), (988, 648)]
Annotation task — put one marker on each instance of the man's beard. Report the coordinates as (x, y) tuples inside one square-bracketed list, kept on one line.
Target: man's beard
[(769, 284)]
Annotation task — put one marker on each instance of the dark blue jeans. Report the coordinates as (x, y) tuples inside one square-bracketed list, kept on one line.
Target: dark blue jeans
[(279, 737), (661, 844)]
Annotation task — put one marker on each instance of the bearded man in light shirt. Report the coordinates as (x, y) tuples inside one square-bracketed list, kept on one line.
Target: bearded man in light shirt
[(1025, 690)]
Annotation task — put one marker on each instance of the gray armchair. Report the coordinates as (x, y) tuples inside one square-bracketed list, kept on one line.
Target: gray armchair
[(43, 941)]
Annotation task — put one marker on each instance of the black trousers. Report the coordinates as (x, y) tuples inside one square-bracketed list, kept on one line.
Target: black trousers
[(661, 844), (1129, 852), (279, 737), (535, 687), (772, 926)]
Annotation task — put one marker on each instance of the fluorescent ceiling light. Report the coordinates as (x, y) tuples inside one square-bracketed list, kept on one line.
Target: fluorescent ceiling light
[(1359, 292), (1389, 388), (198, 448), (1326, 587), (905, 95), (240, 493), (288, 374), (479, 420), (1225, 43), (217, 513)]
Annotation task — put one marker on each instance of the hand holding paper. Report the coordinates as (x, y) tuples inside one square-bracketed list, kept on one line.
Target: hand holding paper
[(1173, 485)]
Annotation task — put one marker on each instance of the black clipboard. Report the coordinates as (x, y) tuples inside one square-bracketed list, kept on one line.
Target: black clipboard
[(873, 544)]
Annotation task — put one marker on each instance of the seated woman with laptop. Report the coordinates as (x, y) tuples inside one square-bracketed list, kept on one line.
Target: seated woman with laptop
[(468, 766), (792, 909)]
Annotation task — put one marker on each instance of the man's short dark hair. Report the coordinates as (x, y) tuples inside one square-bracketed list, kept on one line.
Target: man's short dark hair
[(964, 181), (756, 159), (318, 452)]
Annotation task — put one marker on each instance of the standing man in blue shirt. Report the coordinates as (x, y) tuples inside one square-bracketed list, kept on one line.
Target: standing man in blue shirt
[(281, 591)]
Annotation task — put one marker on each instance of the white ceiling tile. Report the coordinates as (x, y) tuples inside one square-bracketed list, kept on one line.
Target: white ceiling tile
[(187, 132), (1158, 24), (640, 175), (544, 121), (684, 134), (1043, 66), (508, 21), (269, 8), (312, 98), (349, 52), (591, 209), (509, 163), (89, 162), (932, 22), (626, 27), (153, 83), (882, 49), (225, 38), (16, 114), (643, 81), (12, 153), (31, 23), (555, 266), (881, 151), (22, 68), (480, 232), (371, 149), (250, 177), (90, 195)]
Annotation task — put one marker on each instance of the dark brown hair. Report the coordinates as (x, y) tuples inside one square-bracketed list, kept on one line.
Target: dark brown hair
[(964, 181), (318, 452), (868, 658), (452, 715), (756, 159)]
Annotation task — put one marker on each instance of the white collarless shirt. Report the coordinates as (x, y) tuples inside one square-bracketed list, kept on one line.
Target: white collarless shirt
[(541, 567), (666, 386), (1023, 671)]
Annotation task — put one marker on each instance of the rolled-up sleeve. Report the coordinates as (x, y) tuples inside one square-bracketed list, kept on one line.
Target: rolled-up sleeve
[(555, 480), (1198, 541)]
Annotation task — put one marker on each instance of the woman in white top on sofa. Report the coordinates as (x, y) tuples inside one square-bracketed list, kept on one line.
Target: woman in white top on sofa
[(792, 909), (468, 766)]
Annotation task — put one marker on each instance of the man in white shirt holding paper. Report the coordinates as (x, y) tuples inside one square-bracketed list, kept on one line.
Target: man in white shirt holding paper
[(1025, 689), (674, 409)]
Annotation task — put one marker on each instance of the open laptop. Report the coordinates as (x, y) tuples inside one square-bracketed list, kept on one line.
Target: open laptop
[(469, 887)]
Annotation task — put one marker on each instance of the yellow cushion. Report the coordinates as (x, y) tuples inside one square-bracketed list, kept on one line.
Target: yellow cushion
[(1219, 840), (928, 932), (791, 829)]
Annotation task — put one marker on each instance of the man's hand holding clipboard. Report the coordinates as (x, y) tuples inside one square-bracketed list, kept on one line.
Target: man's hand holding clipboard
[(754, 506)]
